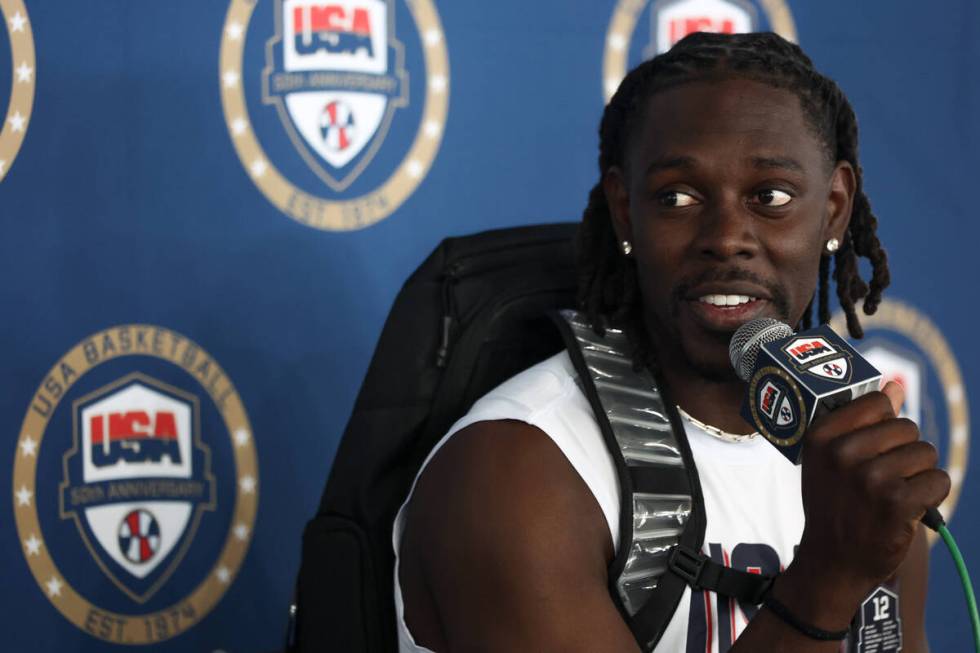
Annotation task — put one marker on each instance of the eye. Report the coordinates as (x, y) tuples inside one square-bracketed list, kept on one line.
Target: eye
[(676, 198), (773, 197)]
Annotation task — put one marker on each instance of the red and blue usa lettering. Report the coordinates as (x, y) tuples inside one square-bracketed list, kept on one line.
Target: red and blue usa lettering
[(135, 436), (333, 28)]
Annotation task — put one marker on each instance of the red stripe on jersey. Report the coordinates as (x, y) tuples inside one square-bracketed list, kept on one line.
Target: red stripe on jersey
[(707, 615)]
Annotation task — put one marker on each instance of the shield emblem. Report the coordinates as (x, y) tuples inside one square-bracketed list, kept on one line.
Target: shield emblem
[(768, 399), (786, 416), (836, 369), (136, 480), (672, 20), (336, 75)]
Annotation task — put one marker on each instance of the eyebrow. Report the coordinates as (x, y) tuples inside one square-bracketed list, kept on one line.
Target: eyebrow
[(671, 163), (758, 162), (763, 162)]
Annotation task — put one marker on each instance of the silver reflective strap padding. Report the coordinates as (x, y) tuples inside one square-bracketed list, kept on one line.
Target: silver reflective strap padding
[(639, 422)]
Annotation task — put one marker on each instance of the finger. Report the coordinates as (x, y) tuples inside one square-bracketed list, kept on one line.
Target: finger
[(901, 463), (871, 441), (896, 394), (864, 411), (928, 489)]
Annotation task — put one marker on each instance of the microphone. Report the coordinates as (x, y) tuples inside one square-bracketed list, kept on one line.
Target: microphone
[(795, 377)]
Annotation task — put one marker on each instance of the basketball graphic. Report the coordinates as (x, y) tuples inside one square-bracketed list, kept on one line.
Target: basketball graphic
[(139, 536), (337, 125)]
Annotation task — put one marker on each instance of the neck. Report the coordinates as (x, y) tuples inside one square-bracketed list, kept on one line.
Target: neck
[(715, 401)]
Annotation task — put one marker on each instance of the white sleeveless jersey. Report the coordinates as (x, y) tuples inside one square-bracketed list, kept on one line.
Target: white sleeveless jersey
[(752, 498)]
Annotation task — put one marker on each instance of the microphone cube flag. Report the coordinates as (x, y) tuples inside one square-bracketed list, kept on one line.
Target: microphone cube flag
[(800, 377)]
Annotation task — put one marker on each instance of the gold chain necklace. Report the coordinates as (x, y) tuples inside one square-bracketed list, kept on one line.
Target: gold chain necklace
[(715, 431)]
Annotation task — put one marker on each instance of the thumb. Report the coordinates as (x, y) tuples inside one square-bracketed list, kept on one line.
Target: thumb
[(896, 394)]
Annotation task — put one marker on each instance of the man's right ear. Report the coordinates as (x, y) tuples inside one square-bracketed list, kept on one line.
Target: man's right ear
[(617, 198)]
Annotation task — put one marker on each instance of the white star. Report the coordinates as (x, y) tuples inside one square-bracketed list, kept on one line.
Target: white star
[(24, 72), (248, 484), (54, 586), (230, 78), (235, 31), (28, 447), (17, 22), (414, 169), (432, 37), (241, 437), (17, 121), (432, 128), (33, 545), (241, 532), (259, 167), (611, 86), (2, 164), (24, 496), (617, 41), (223, 574), (238, 126), (438, 83)]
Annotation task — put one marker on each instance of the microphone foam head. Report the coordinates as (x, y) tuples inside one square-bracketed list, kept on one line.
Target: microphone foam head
[(748, 340)]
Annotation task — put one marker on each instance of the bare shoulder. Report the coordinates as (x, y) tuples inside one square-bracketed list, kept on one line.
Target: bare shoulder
[(505, 545)]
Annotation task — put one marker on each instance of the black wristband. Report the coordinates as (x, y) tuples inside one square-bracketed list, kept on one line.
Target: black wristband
[(812, 632)]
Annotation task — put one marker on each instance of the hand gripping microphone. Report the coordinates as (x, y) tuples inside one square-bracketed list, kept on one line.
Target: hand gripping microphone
[(794, 377)]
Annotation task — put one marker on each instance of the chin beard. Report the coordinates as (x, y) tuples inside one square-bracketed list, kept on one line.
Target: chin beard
[(715, 373), (710, 370)]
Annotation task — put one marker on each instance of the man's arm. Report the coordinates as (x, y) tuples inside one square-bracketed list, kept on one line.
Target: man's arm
[(506, 549)]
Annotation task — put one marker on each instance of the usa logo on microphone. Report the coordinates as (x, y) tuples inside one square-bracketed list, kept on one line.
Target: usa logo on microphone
[(817, 356)]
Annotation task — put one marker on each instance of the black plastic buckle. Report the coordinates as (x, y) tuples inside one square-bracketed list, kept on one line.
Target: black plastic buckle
[(688, 564)]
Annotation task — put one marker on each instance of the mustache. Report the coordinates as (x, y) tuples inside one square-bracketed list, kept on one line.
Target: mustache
[(777, 294)]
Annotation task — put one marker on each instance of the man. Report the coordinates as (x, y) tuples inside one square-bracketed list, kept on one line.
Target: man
[(729, 179)]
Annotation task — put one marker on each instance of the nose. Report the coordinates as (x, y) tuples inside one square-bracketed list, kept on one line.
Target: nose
[(727, 231)]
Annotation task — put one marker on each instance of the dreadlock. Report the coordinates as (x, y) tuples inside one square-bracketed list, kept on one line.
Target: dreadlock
[(608, 290)]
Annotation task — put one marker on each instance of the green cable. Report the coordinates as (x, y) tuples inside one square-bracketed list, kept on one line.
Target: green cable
[(971, 600)]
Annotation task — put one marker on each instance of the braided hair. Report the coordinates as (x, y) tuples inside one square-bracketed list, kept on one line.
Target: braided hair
[(608, 290)]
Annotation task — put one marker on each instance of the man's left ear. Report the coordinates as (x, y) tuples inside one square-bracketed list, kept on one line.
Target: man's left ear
[(840, 202)]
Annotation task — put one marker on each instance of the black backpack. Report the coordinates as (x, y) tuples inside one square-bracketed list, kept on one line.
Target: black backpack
[(475, 313), (479, 310)]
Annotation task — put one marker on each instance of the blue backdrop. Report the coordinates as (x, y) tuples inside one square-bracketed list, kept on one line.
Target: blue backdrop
[(199, 168)]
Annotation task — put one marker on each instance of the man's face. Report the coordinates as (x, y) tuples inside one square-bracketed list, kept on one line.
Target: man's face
[(728, 199)]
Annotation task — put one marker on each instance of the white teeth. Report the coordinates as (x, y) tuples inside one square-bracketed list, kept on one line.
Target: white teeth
[(726, 300)]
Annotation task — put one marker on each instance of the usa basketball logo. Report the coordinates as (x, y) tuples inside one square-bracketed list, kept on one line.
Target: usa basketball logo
[(139, 536), (337, 128), (151, 442), (768, 398), (907, 347), (641, 29), (21, 99), (776, 405), (335, 77)]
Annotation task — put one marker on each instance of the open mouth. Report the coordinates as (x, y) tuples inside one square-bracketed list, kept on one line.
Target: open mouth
[(726, 312), (727, 301)]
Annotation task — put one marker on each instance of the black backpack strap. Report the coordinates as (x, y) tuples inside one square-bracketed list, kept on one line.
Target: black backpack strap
[(650, 622), (599, 360), (702, 573), (630, 410)]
